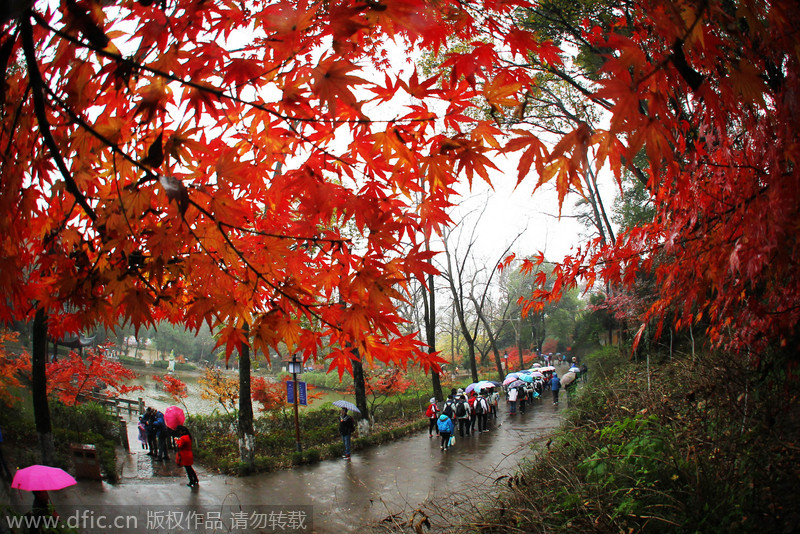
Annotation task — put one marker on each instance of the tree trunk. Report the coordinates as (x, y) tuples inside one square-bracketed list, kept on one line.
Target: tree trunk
[(360, 386), (41, 410), (473, 365), (246, 435), (430, 333)]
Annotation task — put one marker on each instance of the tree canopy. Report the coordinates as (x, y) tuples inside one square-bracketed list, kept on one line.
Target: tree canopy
[(196, 161)]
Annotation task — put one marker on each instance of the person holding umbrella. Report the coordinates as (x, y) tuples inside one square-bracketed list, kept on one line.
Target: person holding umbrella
[(39, 479), (346, 428)]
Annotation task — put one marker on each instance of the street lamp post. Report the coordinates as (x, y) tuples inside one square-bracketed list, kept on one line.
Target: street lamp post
[(295, 369)]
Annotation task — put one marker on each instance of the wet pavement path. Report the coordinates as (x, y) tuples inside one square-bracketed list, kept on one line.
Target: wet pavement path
[(339, 495)]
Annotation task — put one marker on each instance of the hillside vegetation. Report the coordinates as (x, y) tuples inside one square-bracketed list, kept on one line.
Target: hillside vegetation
[(694, 445)]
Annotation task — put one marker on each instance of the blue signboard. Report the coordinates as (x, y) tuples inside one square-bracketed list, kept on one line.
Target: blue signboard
[(302, 399)]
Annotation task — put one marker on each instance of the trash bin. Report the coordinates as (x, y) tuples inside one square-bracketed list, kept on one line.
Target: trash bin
[(87, 462)]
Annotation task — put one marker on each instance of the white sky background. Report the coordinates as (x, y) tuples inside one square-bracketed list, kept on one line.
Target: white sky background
[(510, 209)]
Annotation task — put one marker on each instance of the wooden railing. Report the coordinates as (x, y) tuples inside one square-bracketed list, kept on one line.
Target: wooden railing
[(116, 405)]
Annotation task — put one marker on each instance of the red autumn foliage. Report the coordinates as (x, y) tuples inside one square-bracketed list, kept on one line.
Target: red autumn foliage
[(72, 377), (272, 395), (173, 386), (708, 92), (12, 368), (237, 165)]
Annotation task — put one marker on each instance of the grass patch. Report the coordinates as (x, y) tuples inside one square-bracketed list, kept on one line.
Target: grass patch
[(216, 443)]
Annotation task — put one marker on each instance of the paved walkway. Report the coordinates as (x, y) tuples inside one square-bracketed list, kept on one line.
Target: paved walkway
[(331, 496)]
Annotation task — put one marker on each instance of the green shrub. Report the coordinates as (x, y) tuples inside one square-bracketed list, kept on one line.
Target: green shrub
[(266, 464), (602, 363), (334, 449), (311, 456), (132, 362)]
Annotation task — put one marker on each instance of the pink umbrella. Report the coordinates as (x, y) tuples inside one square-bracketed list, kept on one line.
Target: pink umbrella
[(42, 477), (174, 416), (510, 378)]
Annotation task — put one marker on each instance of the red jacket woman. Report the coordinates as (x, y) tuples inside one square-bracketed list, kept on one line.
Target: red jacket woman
[(185, 457)]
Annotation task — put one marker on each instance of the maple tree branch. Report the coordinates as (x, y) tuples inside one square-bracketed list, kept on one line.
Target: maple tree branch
[(77, 119), (216, 91), (38, 89)]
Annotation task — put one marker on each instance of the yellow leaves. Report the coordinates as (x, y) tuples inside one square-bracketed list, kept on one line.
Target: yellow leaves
[(695, 36)]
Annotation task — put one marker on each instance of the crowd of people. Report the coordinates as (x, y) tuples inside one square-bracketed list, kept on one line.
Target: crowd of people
[(157, 438), (463, 411)]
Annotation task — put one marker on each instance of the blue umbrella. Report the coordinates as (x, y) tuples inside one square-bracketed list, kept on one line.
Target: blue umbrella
[(526, 378), (516, 384)]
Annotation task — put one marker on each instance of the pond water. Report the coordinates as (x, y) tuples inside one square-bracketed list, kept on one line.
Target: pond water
[(194, 403)]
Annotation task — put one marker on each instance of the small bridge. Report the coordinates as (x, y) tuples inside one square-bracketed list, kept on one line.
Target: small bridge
[(115, 405)]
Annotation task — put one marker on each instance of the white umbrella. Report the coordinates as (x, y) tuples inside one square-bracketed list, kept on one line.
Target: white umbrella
[(347, 405)]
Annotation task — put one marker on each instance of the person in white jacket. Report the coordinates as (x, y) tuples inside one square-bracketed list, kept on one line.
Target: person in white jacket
[(512, 401)]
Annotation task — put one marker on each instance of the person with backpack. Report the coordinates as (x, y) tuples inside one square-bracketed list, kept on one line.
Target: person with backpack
[(482, 412), (463, 415), (446, 427), (512, 401), (450, 407), (473, 397), (432, 413), (494, 402), (150, 431)]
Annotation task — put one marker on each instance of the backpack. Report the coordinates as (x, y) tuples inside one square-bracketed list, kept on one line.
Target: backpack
[(461, 409), (432, 409), (479, 408), (448, 409)]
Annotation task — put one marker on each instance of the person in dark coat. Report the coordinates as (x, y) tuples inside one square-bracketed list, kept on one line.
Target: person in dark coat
[(162, 433), (150, 430), (185, 456), (346, 428)]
